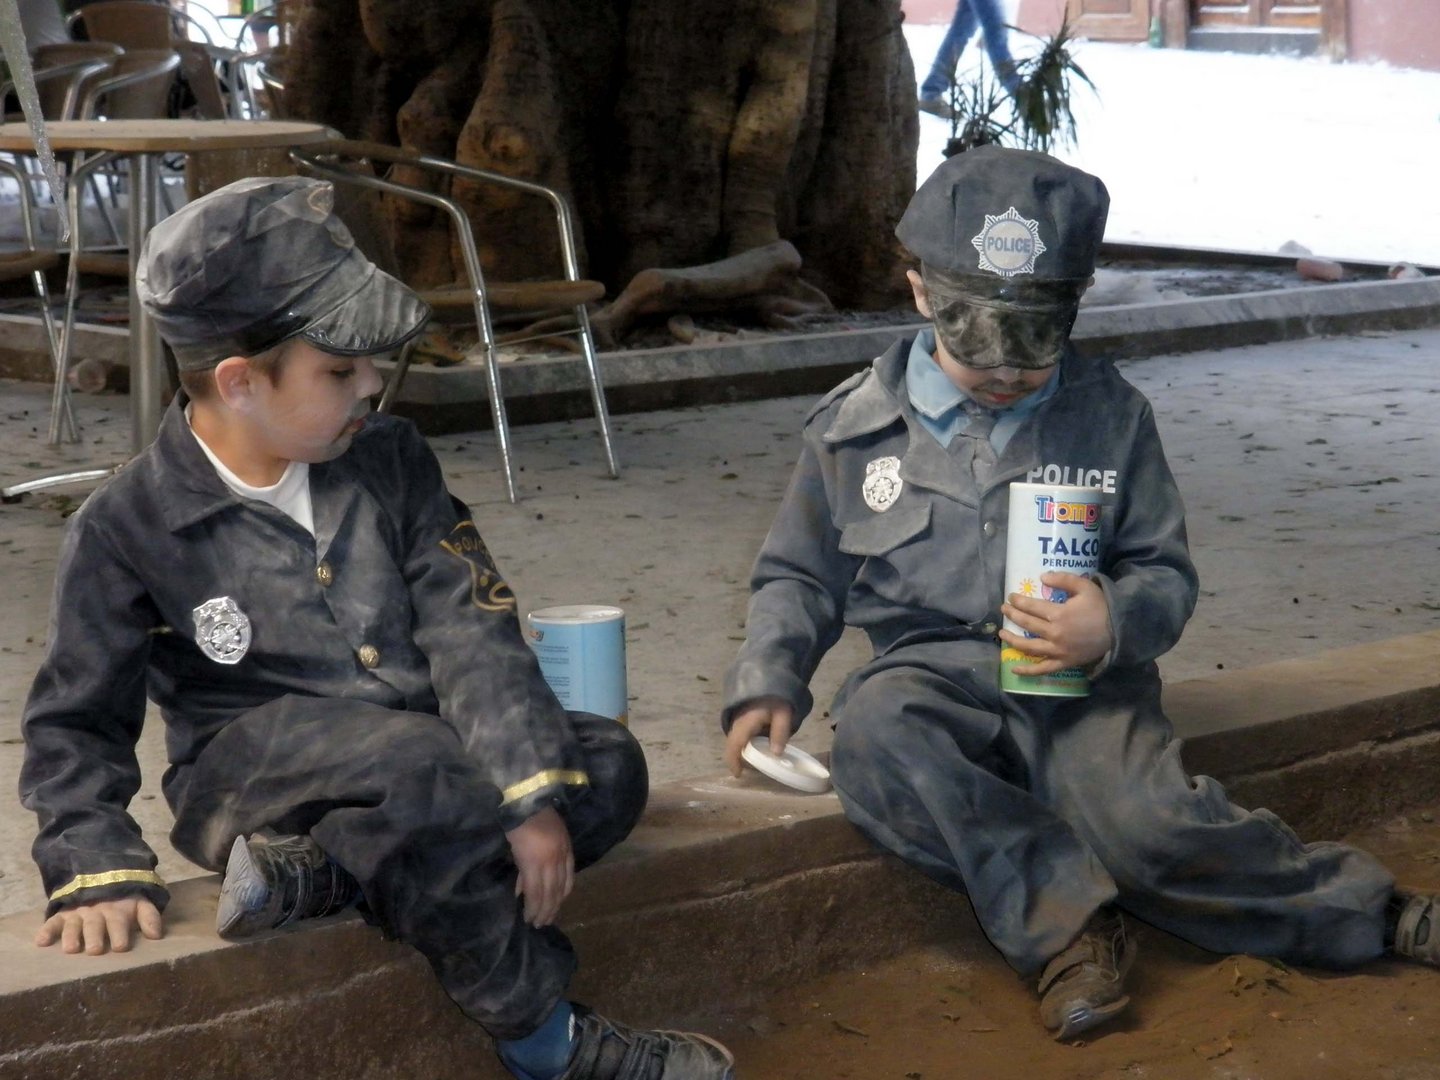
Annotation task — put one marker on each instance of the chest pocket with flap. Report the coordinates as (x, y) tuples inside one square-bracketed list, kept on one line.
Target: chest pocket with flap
[(884, 532)]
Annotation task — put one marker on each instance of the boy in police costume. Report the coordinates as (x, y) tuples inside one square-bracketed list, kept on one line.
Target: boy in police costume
[(351, 709), (1051, 814)]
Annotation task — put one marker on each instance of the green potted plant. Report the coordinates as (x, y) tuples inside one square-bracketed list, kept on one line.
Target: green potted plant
[(1037, 117)]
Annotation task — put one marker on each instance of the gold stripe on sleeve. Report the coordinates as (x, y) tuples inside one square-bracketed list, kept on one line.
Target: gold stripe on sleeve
[(571, 777), (109, 877)]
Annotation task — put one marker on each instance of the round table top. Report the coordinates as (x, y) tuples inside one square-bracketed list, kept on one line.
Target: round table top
[(164, 136)]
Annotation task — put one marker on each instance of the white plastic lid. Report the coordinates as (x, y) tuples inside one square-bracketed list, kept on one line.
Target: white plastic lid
[(793, 768), (577, 613)]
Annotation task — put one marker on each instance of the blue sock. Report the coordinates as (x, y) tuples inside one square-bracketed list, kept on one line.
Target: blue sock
[(544, 1053)]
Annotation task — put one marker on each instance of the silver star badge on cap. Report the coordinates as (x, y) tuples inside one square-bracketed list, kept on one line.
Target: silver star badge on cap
[(1009, 243)]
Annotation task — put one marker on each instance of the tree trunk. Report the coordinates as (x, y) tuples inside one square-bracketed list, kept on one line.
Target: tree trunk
[(681, 133)]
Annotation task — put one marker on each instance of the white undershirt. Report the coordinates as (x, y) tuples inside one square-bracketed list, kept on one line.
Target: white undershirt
[(290, 494)]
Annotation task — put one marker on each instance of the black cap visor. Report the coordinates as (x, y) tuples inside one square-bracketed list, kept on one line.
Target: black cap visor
[(374, 314), (379, 317)]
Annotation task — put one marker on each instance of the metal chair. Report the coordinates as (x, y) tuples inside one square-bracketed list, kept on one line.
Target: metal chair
[(344, 162), (137, 24), (265, 63), (63, 74), (136, 88), (145, 24), (34, 261), (63, 71)]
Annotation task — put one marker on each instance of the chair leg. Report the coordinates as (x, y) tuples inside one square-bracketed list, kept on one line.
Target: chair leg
[(397, 377), (60, 405), (498, 417), (104, 211), (597, 390), (62, 415), (81, 476)]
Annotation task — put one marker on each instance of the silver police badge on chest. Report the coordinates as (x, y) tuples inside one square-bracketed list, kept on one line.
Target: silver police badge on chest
[(222, 630), (882, 483)]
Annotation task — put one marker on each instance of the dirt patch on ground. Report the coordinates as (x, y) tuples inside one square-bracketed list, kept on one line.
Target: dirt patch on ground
[(947, 1014)]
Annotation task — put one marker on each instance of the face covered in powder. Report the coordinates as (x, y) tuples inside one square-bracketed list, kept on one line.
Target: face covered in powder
[(992, 322), (316, 406)]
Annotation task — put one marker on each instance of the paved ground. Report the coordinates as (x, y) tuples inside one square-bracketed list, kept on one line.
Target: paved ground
[(1309, 470)]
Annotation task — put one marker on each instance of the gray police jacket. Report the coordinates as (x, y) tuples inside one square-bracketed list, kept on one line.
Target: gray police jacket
[(930, 564), (170, 584)]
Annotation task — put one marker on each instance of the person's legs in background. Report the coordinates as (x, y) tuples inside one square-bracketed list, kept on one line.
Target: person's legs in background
[(997, 43), (969, 15), (936, 87)]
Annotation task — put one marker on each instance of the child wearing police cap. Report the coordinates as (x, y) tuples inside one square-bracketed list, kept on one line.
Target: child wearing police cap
[(1052, 814), (351, 711)]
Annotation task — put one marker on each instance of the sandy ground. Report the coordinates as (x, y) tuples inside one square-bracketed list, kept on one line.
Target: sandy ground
[(953, 1012), (1308, 468)]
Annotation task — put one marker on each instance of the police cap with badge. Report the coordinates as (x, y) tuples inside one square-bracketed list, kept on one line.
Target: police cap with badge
[(1007, 241), (264, 260)]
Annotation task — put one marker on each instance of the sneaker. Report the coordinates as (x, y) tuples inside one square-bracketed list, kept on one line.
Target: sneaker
[(605, 1050), (936, 107), (273, 880), (1085, 985), (1415, 928)]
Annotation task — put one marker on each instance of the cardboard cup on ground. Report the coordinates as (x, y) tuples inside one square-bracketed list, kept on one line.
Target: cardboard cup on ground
[(1053, 527), (581, 649)]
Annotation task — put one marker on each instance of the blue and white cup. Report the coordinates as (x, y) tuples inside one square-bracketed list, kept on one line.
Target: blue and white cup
[(581, 649)]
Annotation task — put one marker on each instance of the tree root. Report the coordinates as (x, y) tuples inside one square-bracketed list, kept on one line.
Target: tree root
[(764, 280)]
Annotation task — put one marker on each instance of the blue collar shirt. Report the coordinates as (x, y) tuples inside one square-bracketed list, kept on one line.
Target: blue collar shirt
[(938, 402)]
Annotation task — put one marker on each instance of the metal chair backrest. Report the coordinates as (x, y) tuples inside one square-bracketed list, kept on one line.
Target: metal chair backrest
[(344, 161), (68, 68), (137, 24), (283, 15), (61, 87), (137, 88)]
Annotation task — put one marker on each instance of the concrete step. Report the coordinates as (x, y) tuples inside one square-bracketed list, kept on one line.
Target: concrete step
[(728, 890)]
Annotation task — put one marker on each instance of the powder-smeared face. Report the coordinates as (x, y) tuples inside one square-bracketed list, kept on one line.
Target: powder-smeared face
[(314, 408), (993, 387), (980, 355)]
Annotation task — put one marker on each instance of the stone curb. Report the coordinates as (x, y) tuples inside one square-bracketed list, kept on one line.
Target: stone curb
[(445, 400), (727, 891)]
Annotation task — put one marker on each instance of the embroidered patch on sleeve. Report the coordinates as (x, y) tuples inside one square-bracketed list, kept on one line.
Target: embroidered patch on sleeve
[(488, 590)]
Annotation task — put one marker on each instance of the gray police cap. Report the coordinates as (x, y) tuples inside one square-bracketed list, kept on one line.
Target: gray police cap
[(997, 213), (264, 260)]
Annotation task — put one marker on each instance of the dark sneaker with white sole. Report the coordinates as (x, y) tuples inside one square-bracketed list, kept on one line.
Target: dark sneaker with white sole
[(271, 881), (1417, 927), (605, 1050), (1084, 986)]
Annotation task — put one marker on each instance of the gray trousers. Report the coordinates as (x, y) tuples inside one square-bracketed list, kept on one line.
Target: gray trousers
[(1043, 812), (393, 798)]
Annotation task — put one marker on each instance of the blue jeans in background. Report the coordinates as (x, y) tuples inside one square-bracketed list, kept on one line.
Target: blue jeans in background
[(968, 15)]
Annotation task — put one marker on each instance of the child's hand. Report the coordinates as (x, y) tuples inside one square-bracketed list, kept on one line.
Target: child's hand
[(91, 927), (541, 848), (1073, 634), (770, 716)]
